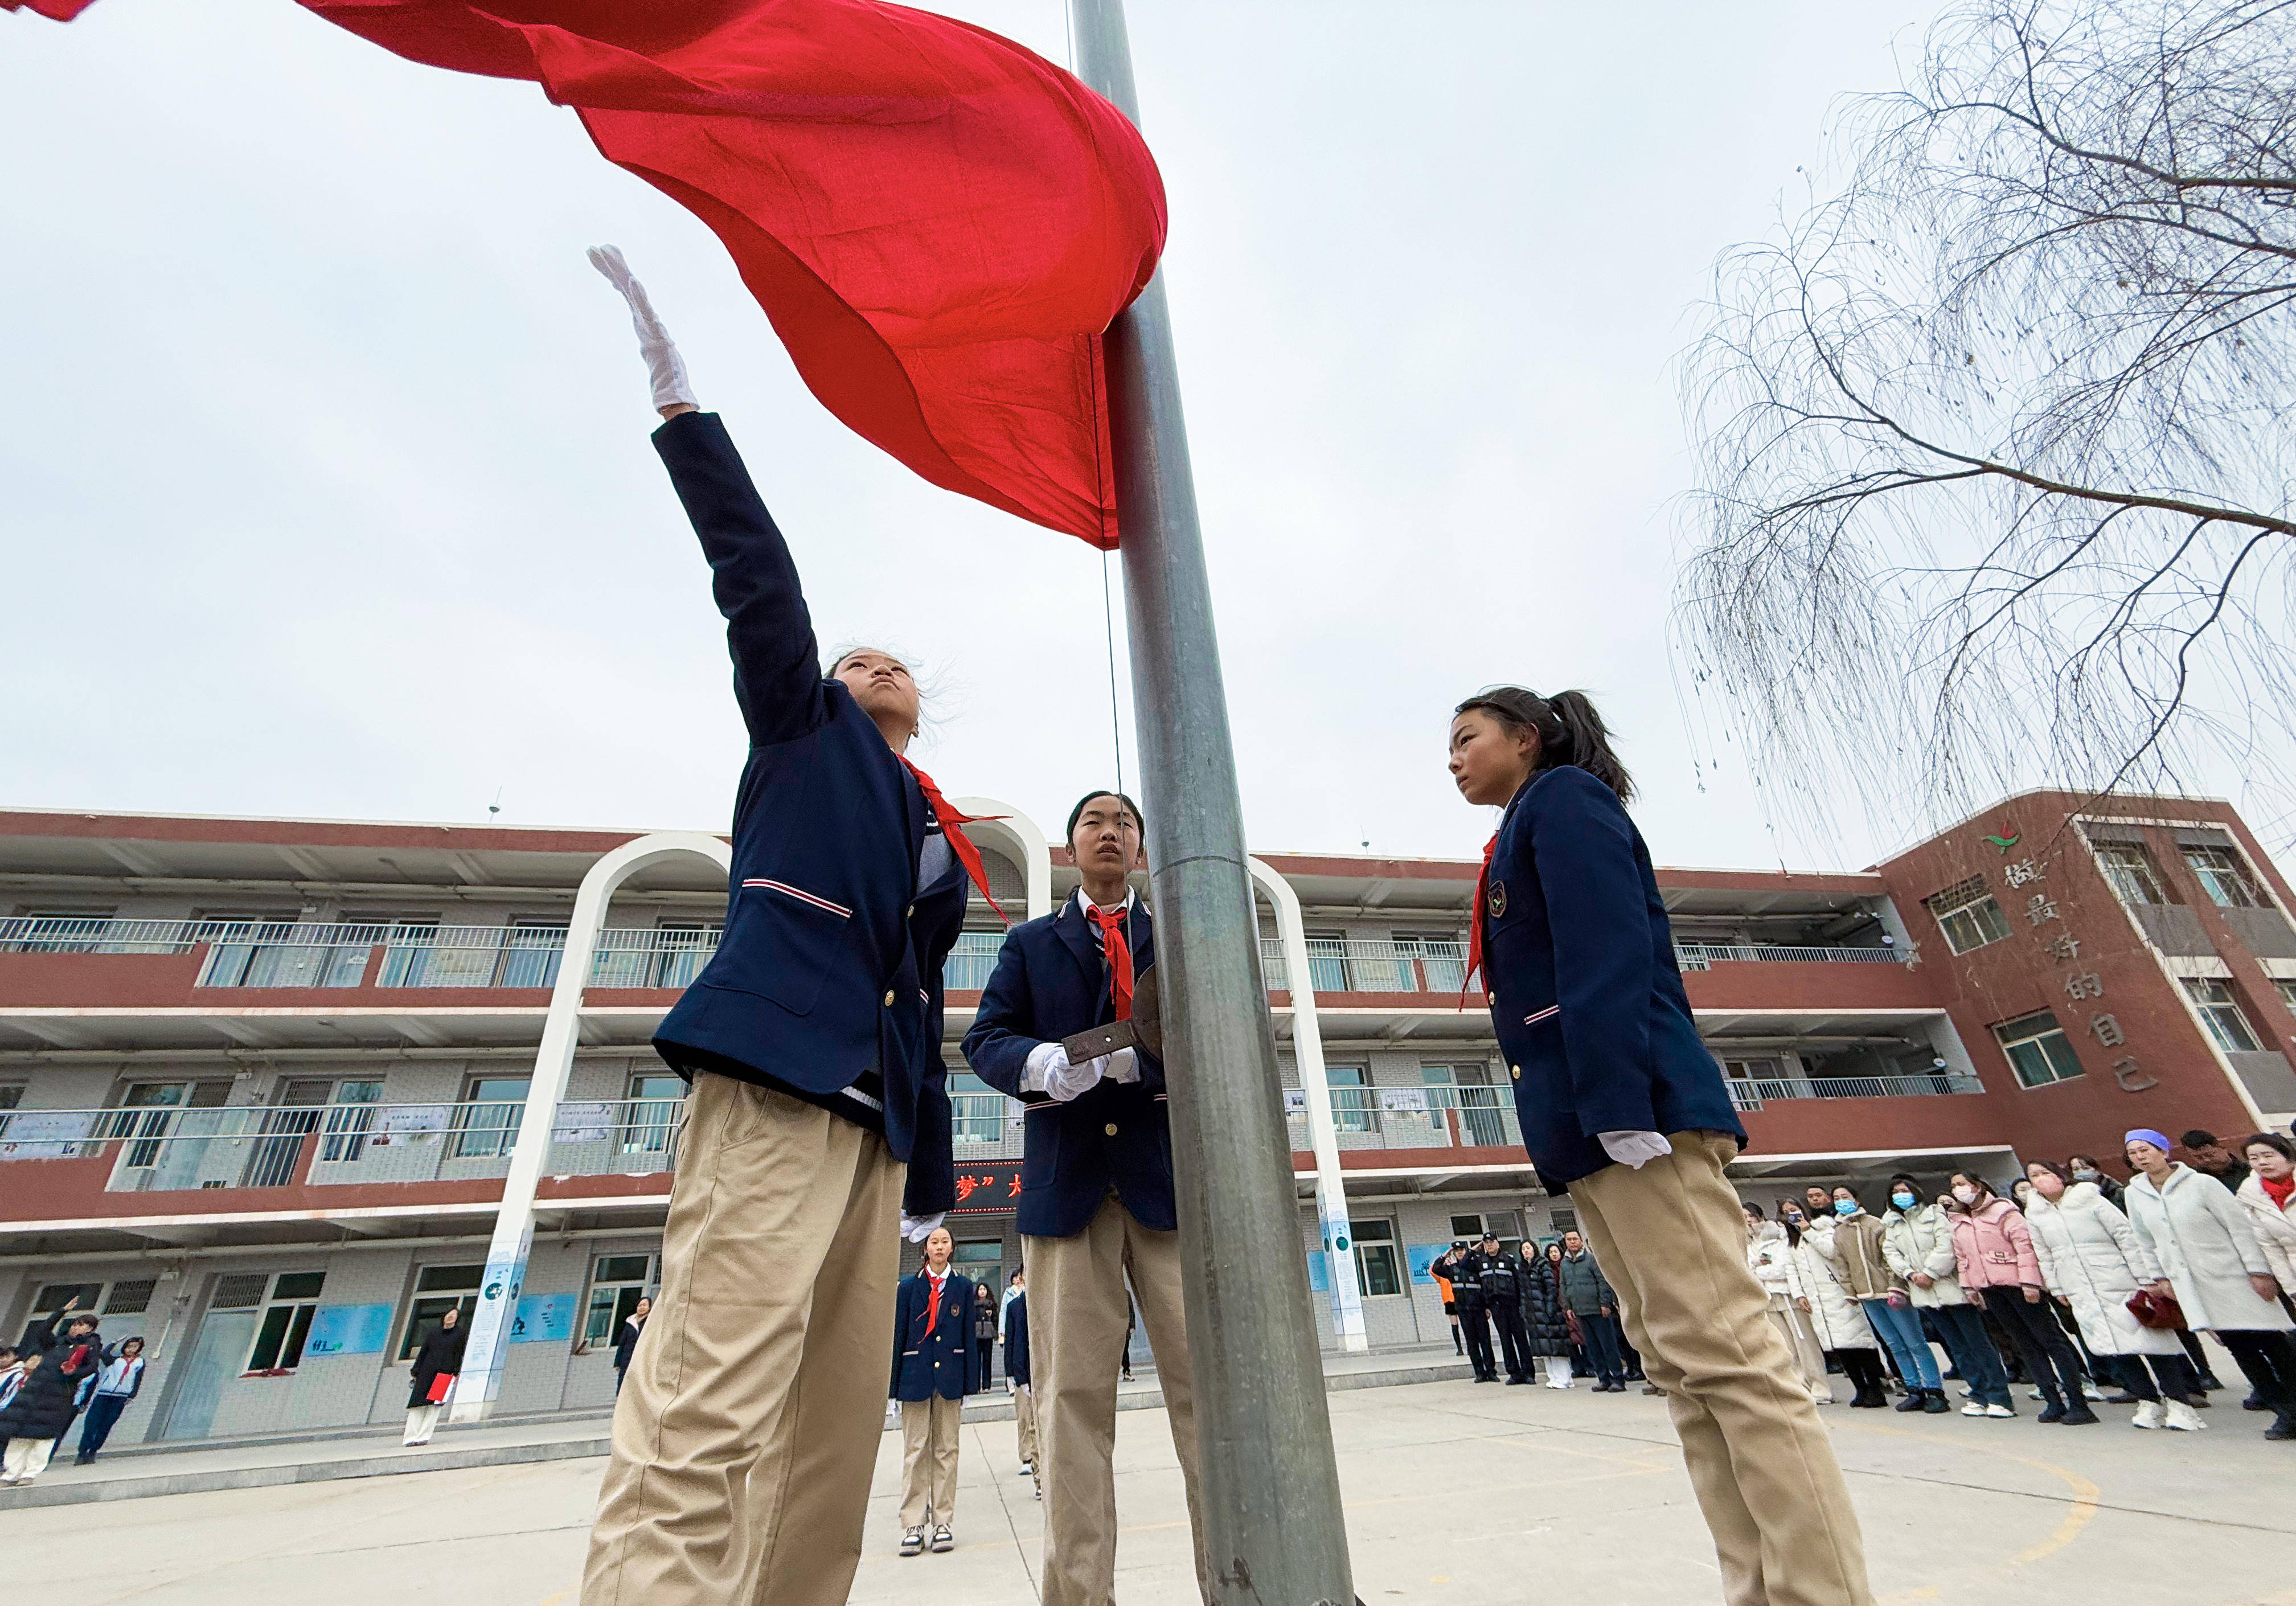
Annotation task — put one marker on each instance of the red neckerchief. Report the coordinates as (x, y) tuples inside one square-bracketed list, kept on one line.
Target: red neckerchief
[(1119, 952), (933, 1311), (1475, 923), (952, 826)]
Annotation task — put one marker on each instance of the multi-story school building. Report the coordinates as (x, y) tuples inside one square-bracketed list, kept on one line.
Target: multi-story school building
[(262, 1081)]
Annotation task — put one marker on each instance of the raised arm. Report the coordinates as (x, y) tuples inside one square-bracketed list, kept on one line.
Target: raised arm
[(776, 660)]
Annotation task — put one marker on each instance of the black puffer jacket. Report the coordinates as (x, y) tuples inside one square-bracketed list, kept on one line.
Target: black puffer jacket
[(441, 1351), (1542, 1310), (43, 1406)]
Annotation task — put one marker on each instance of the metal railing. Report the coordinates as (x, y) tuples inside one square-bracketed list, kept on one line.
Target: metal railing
[(1749, 1093), (1703, 956), (169, 1147), (1437, 1116), (1361, 965)]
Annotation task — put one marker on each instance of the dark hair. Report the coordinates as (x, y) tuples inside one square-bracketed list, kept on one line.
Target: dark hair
[(2197, 1139), (1568, 728), (1983, 1186), (1753, 1209), (1076, 813), (2272, 1140), (1911, 1187), (2084, 1159), (2053, 1168)]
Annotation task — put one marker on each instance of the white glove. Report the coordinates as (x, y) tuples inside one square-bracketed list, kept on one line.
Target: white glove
[(664, 366), (1048, 1071), (1123, 1066), (916, 1229), (1634, 1149)]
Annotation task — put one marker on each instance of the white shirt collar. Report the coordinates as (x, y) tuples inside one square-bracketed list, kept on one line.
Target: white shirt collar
[(1085, 905)]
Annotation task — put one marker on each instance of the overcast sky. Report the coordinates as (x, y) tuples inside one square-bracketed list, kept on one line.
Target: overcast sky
[(325, 487)]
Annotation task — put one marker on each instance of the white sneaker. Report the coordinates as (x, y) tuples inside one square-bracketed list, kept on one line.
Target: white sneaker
[(2148, 1415), (1975, 1408), (2183, 1417), (2091, 1391), (1998, 1411), (2032, 1394)]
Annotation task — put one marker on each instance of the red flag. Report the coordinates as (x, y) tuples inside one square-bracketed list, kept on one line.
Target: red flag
[(59, 10), (939, 222)]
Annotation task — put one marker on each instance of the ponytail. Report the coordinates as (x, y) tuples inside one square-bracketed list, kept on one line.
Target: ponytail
[(1568, 728)]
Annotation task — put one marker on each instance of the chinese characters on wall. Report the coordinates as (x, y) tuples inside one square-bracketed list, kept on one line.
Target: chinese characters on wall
[(2083, 987)]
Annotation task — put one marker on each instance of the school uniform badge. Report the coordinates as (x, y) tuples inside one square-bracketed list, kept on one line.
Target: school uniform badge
[(1494, 900)]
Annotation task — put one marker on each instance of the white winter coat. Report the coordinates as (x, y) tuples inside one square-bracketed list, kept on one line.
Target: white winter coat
[(1922, 1242), (1838, 1320), (2276, 1231), (2206, 1242), (1766, 1254), (2092, 1257)]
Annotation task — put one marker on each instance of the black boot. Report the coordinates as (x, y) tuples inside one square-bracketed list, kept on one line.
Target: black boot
[(2283, 1425), (1933, 1401)]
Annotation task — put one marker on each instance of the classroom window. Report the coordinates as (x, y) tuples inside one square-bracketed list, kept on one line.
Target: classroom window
[(1327, 961), (1968, 915), (2223, 877), (617, 1283), (684, 946), (530, 952), (650, 1116), (976, 1109), (487, 1123), (437, 1290), (2038, 1050), (1351, 1106), (2129, 868), (1377, 1272), (284, 1324), (2221, 1012)]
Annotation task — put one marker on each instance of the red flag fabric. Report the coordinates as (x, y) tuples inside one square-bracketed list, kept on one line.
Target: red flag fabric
[(939, 222)]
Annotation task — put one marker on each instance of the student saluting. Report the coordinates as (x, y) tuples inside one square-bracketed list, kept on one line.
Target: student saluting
[(1622, 1105), (746, 1431), (1097, 1202)]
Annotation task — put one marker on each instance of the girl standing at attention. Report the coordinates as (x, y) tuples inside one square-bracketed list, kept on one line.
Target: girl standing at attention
[(1622, 1105)]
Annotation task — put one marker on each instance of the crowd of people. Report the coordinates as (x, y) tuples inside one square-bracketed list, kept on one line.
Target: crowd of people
[(58, 1379), (2078, 1284), (1553, 1305)]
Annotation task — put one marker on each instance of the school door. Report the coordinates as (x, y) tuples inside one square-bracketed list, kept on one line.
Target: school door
[(218, 1355)]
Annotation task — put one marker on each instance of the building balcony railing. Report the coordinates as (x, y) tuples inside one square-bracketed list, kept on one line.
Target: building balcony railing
[(1360, 965), (158, 1149), (1413, 1118), (1705, 956), (1750, 1093)]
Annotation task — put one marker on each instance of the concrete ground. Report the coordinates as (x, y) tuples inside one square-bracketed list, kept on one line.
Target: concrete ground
[(1456, 1494)]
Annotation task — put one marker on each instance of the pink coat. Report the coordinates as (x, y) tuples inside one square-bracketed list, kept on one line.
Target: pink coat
[(1994, 1249)]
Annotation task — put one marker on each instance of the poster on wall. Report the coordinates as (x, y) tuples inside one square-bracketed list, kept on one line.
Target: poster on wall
[(543, 1319), (38, 1134), (1295, 1101), (1403, 1101), (586, 1122), (410, 1123), (348, 1330), (1422, 1256)]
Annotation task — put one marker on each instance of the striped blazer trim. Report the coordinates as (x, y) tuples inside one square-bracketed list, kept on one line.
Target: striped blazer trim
[(1548, 1013), (802, 895)]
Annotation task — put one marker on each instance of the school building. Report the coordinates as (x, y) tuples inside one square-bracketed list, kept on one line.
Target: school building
[(262, 1081)]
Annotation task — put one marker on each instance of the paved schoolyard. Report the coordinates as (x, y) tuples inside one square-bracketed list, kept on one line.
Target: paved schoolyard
[(1457, 1495)]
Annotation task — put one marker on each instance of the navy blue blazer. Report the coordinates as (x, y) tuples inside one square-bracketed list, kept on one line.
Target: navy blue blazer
[(1585, 996), (943, 1361), (1050, 983), (829, 968), (1016, 1340)]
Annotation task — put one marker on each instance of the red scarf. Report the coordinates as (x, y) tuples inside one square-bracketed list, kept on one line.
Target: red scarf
[(1475, 923), (952, 826), (1119, 952), (2279, 1192), (933, 1311)]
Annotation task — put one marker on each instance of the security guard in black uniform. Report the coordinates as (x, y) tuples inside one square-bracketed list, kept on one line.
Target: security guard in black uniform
[(1501, 1276), (1474, 1314)]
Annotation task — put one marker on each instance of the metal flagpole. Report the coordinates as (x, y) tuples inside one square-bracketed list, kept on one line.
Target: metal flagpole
[(1271, 1492)]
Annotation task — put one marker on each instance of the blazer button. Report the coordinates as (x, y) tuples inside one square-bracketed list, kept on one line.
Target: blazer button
[(1517, 1069), (913, 910), (889, 998), (1110, 1129)]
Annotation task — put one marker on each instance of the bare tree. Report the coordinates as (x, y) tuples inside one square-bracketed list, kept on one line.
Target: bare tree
[(1995, 440)]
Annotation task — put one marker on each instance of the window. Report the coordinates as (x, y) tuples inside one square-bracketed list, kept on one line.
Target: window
[(617, 1283), (976, 1109), (410, 944), (487, 1123), (2129, 868), (145, 1112), (1968, 915), (349, 1120), (437, 1290), (684, 947), (1327, 961), (2287, 997), (1501, 1224), (130, 1297), (2223, 877), (2221, 1012), (531, 950), (650, 1116), (1433, 960), (1351, 1105), (1468, 1089), (2038, 1050), (284, 1324), (58, 930), (1377, 1271)]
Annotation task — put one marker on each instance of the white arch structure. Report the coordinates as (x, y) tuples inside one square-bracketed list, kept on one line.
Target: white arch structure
[(487, 1348), (1323, 1132)]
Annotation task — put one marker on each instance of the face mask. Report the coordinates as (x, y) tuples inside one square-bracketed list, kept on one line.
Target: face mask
[(1967, 1196), (1904, 1201), (1845, 1207), (2084, 1175)]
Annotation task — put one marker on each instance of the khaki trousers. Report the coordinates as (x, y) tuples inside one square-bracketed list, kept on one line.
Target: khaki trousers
[(1024, 1417), (928, 1436), (1077, 1317), (1672, 1240), (748, 1422)]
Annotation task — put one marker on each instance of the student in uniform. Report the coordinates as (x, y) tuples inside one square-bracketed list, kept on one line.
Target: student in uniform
[(1017, 1375), (1622, 1105), (933, 1370), (817, 1129), (1097, 1200)]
